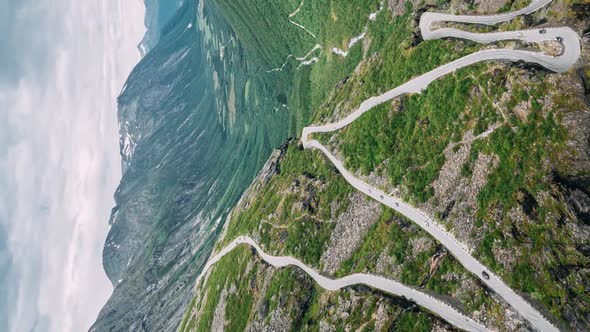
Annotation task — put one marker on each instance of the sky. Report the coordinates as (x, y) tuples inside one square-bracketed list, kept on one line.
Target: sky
[(62, 66)]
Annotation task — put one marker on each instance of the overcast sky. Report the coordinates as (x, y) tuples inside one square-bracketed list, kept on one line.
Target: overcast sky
[(62, 65)]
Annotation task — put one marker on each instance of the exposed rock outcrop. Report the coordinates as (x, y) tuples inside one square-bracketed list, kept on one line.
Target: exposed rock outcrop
[(351, 228)]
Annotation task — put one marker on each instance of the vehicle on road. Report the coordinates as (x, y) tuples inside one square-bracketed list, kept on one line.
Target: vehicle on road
[(485, 275)]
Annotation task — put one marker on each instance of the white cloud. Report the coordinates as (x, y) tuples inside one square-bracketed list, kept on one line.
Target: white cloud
[(60, 162)]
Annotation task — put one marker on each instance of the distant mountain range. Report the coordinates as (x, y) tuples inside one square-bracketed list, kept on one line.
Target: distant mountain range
[(192, 139), (496, 152)]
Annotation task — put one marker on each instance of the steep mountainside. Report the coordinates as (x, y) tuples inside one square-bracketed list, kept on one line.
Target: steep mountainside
[(196, 126), (497, 152), (157, 15)]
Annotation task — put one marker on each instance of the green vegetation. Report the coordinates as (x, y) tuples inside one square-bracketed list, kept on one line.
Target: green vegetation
[(282, 282), (395, 61), (393, 235), (302, 88), (417, 136), (409, 144), (413, 321), (304, 240), (292, 213), (528, 150), (238, 306), (311, 251), (307, 228)]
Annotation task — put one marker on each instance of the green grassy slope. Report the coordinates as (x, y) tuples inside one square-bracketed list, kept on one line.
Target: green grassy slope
[(520, 219)]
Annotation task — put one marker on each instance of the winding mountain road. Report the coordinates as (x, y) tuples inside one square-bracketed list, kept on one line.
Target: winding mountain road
[(562, 63), (571, 52), (436, 306)]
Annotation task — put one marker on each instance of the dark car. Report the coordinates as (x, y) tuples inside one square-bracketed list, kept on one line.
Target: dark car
[(485, 275), (542, 31)]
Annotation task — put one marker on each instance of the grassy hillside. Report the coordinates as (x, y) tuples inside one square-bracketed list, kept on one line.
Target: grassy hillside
[(494, 151)]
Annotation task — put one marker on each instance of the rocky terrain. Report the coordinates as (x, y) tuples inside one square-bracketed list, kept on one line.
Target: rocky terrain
[(507, 172), (410, 256)]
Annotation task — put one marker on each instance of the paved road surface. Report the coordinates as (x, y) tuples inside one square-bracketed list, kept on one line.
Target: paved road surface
[(434, 305)]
